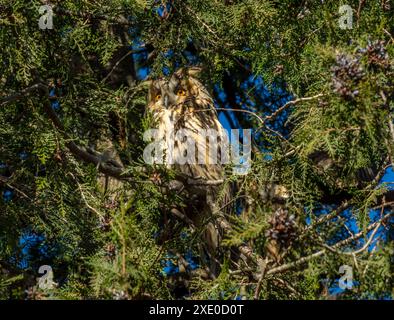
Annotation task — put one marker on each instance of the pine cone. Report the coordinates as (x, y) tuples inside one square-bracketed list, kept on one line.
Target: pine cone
[(281, 233), (346, 74), (377, 55)]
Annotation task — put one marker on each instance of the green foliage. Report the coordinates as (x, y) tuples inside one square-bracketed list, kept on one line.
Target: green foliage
[(107, 239)]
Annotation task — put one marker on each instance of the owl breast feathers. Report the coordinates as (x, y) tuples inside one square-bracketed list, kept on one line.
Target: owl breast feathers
[(192, 138)]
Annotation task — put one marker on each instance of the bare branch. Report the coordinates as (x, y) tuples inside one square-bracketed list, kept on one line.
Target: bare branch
[(288, 104), (114, 171), (182, 217), (234, 110), (100, 215), (260, 282), (19, 95), (120, 61), (292, 265), (389, 34), (353, 253), (5, 181), (345, 205), (202, 22)]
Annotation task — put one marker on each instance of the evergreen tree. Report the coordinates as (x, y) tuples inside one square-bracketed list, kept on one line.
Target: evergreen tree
[(313, 79)]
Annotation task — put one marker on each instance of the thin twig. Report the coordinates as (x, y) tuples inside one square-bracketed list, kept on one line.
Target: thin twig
[(120, 60), (182, 217), (5, 181), (202, 22), (113, 171), (356, 252), (101, 216), (19, 95), (260, 282), (345, 205), (389, 34), (233, 110), (288, 104), (291, 265)]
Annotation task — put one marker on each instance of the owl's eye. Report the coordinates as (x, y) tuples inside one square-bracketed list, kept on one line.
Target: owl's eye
[(158, 97), (181, 92)]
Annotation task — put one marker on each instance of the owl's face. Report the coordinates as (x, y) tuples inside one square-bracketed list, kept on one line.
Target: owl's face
[(169, 93)]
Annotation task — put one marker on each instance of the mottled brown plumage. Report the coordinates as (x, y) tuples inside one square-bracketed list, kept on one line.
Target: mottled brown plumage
[(181, 104)]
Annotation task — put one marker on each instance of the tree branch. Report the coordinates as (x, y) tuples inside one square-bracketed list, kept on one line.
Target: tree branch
[(114, 171), (288, 104), (19, 95), (110, 167), (289, 266), (120, 61)]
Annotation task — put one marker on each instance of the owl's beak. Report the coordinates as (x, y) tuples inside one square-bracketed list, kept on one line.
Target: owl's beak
[(166, 100)]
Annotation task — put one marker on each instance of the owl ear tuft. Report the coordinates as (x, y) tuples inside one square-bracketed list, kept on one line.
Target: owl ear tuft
[(194, 71), (188, 71)]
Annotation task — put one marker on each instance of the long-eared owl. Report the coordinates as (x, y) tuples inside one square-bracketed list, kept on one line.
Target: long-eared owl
[(194, 140)]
